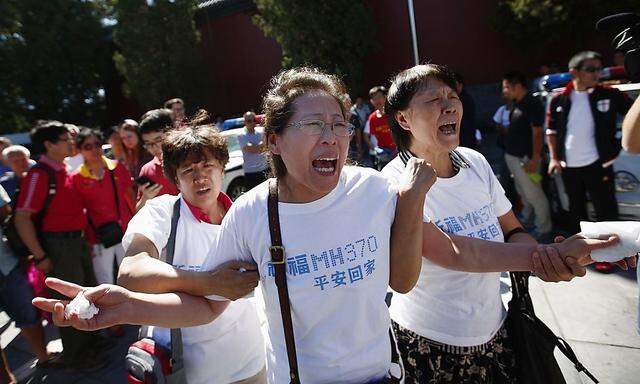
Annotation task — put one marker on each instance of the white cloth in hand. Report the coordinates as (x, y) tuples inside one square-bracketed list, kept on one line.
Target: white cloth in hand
[(627, 231), (80, 306)]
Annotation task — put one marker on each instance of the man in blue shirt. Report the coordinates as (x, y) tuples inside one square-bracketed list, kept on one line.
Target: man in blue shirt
[(252, 144)]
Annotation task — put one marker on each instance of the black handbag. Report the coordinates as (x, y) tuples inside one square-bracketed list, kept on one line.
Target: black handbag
[(533, 342), (110, 234)]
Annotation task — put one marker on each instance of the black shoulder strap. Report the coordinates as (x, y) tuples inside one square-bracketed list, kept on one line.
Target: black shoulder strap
[(51, 191), (278, 260), (115, 191), (176, 335)]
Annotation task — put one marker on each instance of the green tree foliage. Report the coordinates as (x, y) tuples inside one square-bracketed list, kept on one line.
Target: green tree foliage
[(52, 54), (157, 54), (534, 24), (331, 34)]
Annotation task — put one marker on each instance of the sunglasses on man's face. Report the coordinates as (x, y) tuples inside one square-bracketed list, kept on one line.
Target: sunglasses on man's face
[(591, 69)]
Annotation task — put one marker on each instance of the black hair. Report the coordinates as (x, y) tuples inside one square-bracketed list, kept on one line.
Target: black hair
[(579, 58), (155, 120), (378, 88), (285, 88), (459, 78), (515, 77), (404, 87), (48, 130), (86, 133)]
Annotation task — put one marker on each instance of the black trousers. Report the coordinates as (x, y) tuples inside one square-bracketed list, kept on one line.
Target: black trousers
[(71, 261), (599, 183)]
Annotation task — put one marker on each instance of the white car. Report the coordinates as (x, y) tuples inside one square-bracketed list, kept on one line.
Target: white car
[(233, 181)]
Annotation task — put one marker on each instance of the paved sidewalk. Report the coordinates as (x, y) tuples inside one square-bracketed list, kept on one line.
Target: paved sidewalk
[(597, 316)]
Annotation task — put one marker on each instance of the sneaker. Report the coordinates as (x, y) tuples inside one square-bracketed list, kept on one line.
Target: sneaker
[(603, 267)]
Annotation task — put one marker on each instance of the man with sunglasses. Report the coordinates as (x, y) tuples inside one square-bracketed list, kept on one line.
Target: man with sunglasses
[(581, 132), (252, 144)]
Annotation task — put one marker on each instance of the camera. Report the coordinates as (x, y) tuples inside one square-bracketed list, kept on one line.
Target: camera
[(626, 27)]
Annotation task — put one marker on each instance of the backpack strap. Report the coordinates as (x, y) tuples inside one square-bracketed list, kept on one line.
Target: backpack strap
[(177, 362), (278, 261), (51, 192)]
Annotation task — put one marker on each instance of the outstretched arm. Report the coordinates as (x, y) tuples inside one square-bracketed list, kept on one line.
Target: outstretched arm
[(118, 305)]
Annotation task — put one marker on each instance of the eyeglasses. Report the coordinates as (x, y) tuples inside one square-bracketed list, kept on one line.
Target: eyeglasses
[(152, 144), (316, 127), (91, 146), (591, 69)]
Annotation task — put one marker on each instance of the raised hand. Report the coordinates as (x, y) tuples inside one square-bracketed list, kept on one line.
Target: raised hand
[(112, 301), (419, 175)]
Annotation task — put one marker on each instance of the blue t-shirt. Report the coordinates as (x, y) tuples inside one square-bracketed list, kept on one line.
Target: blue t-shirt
[(253, 162)]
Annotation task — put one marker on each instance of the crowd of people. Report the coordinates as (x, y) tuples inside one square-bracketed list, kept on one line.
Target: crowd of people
[(152, 209)]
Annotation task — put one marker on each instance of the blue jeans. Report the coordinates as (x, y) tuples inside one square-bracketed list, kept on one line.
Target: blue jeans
[(15, 298)]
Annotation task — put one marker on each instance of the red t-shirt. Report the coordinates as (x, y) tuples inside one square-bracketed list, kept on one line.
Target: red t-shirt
[(153, 170), (98, 198), (65, 212), (379, 127)]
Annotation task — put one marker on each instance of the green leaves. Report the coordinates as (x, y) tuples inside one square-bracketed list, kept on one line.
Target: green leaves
[(536, 24), (331, 34), (157, 51), (52, 56)]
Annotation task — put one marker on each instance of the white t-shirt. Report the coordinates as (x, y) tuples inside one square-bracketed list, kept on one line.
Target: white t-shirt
[(452, 307), (73, 163), (337, 251), (502, 116), (580, 143), (229, 349)]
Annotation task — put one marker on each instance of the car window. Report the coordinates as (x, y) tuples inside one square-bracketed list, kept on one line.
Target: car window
[(232, 143)]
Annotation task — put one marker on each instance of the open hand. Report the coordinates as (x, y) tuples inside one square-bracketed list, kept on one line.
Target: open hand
[(111, 300)]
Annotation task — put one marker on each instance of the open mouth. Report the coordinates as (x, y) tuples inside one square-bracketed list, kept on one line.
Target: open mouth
[(203, 191), (448, 128), (325, 166)]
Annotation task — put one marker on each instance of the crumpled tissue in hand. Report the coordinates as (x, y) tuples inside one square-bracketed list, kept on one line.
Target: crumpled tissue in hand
[(627, 231), (81, 307)]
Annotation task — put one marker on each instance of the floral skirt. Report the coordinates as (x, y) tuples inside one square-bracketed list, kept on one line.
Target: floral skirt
[(429, 362)]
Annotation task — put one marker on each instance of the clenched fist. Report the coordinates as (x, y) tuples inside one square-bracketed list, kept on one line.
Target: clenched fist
[(418, 176)]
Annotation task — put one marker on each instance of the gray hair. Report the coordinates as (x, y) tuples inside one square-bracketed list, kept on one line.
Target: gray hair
[(15, 149)]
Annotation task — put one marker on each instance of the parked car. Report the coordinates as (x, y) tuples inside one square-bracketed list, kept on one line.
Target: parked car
[(626, 170), (233, 183)]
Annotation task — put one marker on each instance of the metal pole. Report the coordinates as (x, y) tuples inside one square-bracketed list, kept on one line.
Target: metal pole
[(414, 37)]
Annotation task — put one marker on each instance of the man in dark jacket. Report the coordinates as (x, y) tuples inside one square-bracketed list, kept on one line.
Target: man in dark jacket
[(582, 139)]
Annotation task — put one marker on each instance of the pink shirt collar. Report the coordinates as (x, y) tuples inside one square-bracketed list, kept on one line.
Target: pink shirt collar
[(201, 216)]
